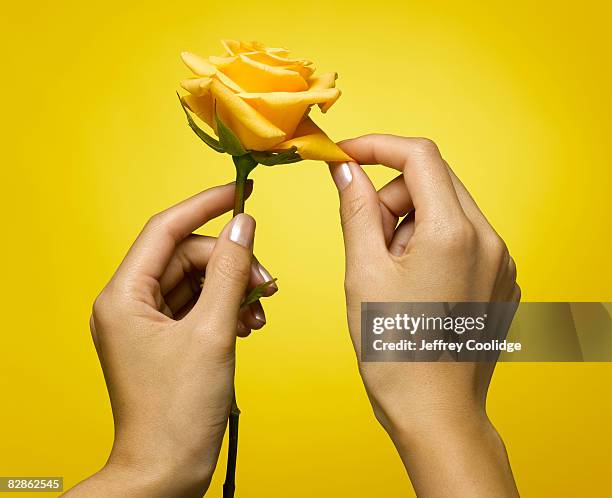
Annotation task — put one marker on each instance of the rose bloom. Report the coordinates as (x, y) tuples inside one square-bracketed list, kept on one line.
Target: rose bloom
[(264, 97)]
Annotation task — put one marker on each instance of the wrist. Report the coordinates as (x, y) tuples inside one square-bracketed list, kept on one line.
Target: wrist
[(158, 475), (450, 430), (458, 456), (424, 426)]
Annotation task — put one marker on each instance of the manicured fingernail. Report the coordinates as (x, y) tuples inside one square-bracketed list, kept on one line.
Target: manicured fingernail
[(341, 173), (242, 330), (267, 277), (242, 230), (258, 312), (260, 316)]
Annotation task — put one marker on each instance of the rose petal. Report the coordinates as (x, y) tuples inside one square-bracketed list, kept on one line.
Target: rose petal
[(202, 67), (264, 97), (201, 106), (228, 82), (254, 131), (287, 109), (302, 66), (197, 86), (232, 47), (283, 52), (254, 76), (235, 47), (198, 65), (275, 60), (304, 71), (321, 82), (252, 46), (313, 143)]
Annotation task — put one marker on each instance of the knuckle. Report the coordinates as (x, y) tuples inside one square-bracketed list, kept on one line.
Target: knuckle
[(424, 146), (231, 267), (499, 247), (162, 222), (361, 277), (156, 221), (466, 235), (512, 268), (460, 236), (109, 304), (497, 250), (352, 208), (92, 328), (220, 347), (517, 292), (100, 305), (375, 137)]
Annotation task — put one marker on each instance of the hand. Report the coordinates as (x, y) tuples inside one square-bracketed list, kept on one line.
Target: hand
[(167, 350), (443, 250)]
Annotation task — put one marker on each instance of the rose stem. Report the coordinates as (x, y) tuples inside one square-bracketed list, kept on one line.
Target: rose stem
[(244, 165)]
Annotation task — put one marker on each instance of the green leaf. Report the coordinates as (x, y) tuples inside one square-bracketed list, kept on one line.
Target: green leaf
[(205, 137), (275, 158), (228, 140), (258, 292)]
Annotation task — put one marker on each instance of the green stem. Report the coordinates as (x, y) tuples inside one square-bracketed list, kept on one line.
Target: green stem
[(244, 165)]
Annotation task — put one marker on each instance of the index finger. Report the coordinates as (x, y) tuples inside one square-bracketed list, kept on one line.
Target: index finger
[(153, 248), (425, 173)]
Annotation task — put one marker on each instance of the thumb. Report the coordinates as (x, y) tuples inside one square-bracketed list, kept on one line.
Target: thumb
[(227, 275), (360, 213)]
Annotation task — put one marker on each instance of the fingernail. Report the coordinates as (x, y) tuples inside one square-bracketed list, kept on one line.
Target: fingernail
[(258, 312), (259, 316), (341, 173), (242, 230), (267, 277), (242, 330)]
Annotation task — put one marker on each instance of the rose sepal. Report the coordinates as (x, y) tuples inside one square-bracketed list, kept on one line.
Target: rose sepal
[(228, 141), (273, 158)]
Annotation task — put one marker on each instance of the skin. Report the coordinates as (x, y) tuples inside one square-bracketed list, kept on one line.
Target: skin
[(168, 351), (443, 250)]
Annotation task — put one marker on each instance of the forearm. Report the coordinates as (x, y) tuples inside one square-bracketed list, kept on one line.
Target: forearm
[(466, 458)]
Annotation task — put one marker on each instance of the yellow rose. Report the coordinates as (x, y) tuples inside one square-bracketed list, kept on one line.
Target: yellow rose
[(264, 97)]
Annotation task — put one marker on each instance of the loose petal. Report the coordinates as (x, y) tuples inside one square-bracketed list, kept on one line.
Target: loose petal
[(313, 143)]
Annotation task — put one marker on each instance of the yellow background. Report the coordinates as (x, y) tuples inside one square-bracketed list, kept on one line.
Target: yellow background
[(516, 94)]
